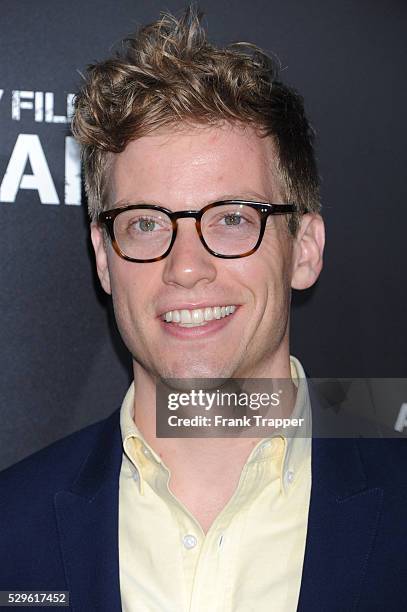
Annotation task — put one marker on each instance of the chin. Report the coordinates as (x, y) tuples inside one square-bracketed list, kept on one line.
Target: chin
[(200, 374)]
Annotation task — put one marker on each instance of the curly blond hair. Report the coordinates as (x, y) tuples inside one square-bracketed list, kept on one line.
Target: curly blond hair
[(168, 73)]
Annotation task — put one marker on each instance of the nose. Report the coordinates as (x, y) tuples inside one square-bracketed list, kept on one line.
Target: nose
[(188, 263)]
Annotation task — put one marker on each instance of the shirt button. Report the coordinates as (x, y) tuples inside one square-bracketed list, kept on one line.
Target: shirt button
[(289, 477), (146, 451), (189, 541)]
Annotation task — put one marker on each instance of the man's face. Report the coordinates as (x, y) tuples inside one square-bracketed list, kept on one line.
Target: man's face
[(183, 170)]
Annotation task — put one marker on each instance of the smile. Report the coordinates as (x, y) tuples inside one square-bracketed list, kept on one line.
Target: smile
[(198, 316)]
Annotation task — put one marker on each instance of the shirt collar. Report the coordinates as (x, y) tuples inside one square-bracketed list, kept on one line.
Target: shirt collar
[(296, 447)]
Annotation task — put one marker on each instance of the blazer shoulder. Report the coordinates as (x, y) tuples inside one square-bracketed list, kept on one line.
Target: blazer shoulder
[(52, 467)]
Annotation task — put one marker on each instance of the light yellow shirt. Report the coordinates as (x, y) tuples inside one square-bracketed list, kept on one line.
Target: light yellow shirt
[(252, 556)]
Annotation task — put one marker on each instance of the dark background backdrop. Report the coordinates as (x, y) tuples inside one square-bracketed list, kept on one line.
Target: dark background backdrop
[(62, 365)]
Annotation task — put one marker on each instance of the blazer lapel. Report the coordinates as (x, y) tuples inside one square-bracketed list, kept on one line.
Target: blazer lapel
[(342, 523), (87, 518)]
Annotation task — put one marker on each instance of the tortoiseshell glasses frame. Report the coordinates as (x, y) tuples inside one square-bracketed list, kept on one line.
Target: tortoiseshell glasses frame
[(264, 210)]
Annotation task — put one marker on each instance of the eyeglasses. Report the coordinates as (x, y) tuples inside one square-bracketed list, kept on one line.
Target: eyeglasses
[(229, 229)]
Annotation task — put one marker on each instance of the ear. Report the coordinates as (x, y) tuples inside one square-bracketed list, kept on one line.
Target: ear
[(99, 246), (308, 249)]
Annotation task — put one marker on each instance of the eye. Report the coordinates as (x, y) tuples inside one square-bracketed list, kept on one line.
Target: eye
[(144, 224), (232, 219)]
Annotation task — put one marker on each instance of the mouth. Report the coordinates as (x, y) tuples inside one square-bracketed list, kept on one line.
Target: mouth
[(197, 317)]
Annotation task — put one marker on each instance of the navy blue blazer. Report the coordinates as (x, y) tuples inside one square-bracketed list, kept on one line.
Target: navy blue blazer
[(59, 523)]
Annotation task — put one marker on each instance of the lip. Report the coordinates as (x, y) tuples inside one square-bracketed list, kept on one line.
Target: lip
[(195, 306)]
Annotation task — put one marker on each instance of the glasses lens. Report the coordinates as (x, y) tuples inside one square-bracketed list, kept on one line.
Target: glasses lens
[(231, 229), (143, 233)]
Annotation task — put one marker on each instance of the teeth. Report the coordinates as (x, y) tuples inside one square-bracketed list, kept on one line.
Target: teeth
[(198, 316), (176, 316), (186, 316), (208, 314)]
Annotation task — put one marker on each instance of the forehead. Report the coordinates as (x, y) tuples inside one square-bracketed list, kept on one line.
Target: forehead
[(197, 164)]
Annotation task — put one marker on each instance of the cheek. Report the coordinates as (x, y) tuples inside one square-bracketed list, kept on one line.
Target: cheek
[(128, 288), (268, 271), (266, 290), (128, 296), (277, 259)]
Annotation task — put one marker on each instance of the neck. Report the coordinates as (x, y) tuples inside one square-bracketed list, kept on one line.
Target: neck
[(200, 456), (195, 463)]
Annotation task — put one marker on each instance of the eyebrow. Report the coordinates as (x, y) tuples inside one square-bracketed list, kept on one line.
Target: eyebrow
[(243, 195)]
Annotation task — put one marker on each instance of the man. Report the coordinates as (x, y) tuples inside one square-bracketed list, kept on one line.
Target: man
[(203, 195)]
